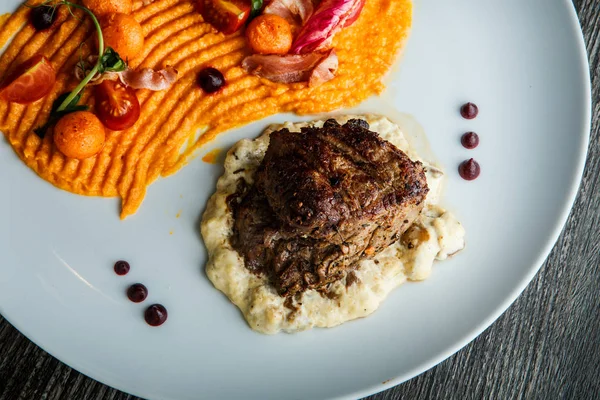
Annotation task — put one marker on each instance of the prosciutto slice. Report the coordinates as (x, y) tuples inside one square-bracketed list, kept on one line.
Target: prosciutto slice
[(292, 10), (147, 78), (330, 17), (315, 68), (325, 70)]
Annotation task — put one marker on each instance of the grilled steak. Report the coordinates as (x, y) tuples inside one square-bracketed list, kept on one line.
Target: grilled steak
[(324, 199)]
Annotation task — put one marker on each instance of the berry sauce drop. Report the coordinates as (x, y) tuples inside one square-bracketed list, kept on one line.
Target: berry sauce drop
[(470, 140), (137, 293), (122, 267), (155, 315), (469, 169), (469, 111)]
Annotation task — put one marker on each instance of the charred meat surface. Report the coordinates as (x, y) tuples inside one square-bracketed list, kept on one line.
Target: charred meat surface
[(324, 199)]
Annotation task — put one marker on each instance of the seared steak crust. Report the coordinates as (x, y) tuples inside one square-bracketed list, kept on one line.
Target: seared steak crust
[(324, 199)]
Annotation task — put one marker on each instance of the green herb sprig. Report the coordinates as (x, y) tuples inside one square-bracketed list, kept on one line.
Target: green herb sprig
[(55, 114), (257, 6), (108, 61), (69, 99)]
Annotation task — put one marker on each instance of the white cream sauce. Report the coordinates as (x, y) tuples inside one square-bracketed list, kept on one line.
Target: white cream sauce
[(435, 235)]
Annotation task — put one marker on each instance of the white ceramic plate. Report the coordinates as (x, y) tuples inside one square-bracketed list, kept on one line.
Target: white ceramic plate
[(522, 62)]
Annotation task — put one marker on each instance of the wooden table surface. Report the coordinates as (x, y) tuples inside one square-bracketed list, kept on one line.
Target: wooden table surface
[(545, 346)]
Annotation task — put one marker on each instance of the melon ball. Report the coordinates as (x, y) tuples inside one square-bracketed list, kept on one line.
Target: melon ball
[(79, 135), (123, 33), (103, 7)]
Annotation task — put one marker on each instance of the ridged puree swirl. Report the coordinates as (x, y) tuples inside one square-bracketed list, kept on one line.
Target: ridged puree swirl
[(166, 135)]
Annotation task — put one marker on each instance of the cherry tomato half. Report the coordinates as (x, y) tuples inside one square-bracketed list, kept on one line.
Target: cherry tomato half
[(117, 105), (225, 15), (30, 82)]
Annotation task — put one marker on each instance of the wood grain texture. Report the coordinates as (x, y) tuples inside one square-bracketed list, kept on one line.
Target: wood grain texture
[(545, 346)]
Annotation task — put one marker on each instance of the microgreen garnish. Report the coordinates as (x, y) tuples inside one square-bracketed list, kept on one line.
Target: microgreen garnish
[(111, 62), (55, 114), (108, 61), (256, 8), (68, 100)]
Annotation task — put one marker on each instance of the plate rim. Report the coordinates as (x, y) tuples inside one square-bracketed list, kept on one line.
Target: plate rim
[(502, 307), (543, 254)]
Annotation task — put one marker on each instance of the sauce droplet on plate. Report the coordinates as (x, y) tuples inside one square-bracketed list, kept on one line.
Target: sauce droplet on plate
[(470, 140), (469, 111), (122, 267), (211, 156), (137, 293), (155, 315), (469, 169)]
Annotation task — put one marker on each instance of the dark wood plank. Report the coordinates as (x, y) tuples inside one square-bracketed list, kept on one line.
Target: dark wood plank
[(545, 346)]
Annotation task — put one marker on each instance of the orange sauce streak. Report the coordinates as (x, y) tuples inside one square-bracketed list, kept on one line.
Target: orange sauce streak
[(3, 19), (176, 35), (212, 156)]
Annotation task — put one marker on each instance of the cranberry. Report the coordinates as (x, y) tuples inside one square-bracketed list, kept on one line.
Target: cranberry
[(470, 140), (42, 17), (122, 267), (137, 293), (469, 169), (211, 79), (469, 111), (156, 315)]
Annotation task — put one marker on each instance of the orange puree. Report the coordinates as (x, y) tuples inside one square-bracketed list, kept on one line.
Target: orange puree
[(176, 35), (212, 156)]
